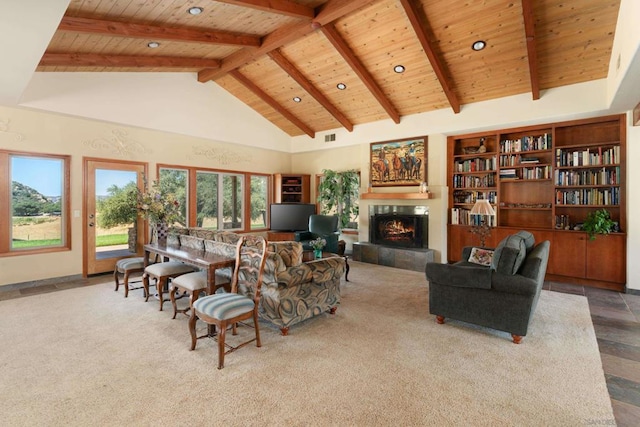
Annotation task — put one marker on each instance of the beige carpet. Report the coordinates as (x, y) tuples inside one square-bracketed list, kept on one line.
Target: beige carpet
[(88, 356)]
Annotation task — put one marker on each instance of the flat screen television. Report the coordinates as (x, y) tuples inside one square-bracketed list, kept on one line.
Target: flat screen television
[(291, 216)]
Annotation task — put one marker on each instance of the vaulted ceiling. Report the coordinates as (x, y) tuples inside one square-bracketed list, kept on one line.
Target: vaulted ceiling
[(272, 53)]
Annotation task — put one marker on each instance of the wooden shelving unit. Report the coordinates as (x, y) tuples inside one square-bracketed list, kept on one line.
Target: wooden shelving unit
[(290, 188), (546, 179), (398, 196)]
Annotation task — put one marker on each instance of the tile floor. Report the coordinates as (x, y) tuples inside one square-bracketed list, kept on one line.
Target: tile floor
[(616, 320)]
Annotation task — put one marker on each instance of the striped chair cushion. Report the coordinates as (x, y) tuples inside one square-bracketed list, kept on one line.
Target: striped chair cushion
[(168, 268), (223, 306), (127, 264)]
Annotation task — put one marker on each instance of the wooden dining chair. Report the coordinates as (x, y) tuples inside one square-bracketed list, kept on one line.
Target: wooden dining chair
[(225, 310), (195, 284), (127, 267)]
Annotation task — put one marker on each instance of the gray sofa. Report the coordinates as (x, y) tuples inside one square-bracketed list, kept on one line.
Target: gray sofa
[(501, 296)]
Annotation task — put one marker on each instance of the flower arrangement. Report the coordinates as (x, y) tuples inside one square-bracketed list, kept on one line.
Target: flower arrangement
[(318, 244), (157, 205)]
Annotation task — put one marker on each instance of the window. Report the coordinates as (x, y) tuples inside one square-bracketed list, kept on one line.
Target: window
[(36, 219), (207, 200), (176, 181), (220, 200), (259, 201)]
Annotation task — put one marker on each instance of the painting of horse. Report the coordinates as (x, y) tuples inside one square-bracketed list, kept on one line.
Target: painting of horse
[(399, 163)]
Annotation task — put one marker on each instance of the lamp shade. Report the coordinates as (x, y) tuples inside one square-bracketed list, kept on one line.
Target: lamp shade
[(482, 207)]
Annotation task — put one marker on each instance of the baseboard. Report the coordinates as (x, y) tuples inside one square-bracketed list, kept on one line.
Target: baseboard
[(42, 282)]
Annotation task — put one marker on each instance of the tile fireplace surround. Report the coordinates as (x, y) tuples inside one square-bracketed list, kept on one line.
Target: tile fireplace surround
[(394, 255)]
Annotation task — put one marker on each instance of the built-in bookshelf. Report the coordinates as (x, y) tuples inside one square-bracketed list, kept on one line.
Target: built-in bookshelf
[(473, 177), (545, 179), (292, 188)]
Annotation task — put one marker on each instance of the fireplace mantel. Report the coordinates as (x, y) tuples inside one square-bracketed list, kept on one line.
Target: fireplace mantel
[(396, 196)]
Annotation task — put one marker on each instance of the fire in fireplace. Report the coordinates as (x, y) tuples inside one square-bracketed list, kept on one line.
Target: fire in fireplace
[(399, 226)]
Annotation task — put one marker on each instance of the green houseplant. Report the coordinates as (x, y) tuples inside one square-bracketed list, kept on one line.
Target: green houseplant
[(598, 222), (338, 193)]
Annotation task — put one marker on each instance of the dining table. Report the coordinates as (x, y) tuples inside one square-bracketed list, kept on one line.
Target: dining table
[(198, 258)]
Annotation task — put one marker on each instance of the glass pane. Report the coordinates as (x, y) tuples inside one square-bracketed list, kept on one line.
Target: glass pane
[(259, 192), (116, 211), (36, 202), (176, 181), (232, 201), (207, 200)]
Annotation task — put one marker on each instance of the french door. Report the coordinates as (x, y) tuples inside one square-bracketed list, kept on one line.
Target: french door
[(106, 184)]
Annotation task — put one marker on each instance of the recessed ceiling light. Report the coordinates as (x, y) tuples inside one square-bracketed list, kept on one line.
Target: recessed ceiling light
[(297, 99), (195, 10), (153, 45), (341, 86), (478, 45), (399, 69)]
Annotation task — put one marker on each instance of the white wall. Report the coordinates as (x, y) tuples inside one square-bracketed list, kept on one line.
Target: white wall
[(33, 131)]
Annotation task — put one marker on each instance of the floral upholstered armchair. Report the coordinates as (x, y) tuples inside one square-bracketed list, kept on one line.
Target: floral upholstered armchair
[(293, 291)]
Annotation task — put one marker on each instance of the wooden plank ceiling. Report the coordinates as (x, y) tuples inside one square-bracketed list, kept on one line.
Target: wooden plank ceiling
[(268, 52)]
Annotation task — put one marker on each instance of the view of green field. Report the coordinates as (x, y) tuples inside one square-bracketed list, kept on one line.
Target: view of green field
[(33, 231)]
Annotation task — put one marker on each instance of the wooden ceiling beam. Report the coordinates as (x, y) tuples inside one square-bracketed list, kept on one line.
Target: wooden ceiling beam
[(281, 7), (421, 29), (143, 31), (358, 67), (287, 66), (327, 13), (272, 102), (97, 60), (532, 56)]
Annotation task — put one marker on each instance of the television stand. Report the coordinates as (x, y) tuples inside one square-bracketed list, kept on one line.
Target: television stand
[(281, 236)]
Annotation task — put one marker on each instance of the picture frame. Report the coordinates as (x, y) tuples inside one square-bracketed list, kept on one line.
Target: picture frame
[(400, 162)]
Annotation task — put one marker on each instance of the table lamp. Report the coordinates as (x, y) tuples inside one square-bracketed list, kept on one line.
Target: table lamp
[(482, 208)]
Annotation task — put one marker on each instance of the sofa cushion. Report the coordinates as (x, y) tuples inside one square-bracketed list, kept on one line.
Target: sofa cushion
[(202, 233), (191, 242), (481, 256), (227, 237), (174, 233), (529, 240), (291, 252), (509, 255)]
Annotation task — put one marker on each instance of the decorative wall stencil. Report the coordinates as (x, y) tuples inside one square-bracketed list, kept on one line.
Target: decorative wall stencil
[(120, 143), (4, 130), (222, 155)]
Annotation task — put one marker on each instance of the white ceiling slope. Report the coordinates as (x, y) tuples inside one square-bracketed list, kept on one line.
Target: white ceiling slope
[(25, 32)]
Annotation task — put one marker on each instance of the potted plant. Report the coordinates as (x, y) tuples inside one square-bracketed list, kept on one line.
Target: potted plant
[(160, 207), (338, 193), (598, 222)]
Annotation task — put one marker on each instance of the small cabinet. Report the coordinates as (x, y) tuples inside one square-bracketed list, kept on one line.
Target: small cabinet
[(602, 259), (291, 188)]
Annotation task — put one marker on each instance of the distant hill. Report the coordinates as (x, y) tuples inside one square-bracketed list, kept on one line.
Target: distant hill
[(27, 201)]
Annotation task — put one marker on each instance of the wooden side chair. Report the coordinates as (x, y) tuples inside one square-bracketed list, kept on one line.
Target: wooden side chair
[(225, 309), (195, 283), (126, 267), (164, 271)]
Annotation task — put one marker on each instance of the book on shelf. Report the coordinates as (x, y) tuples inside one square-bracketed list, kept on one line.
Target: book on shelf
[(508, 174), (528, 160)]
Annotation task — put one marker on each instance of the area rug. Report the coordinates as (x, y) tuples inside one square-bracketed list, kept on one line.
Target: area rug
[(88, 356)]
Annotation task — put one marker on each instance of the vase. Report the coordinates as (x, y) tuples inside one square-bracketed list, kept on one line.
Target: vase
[(161, 231), (317, 253)]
